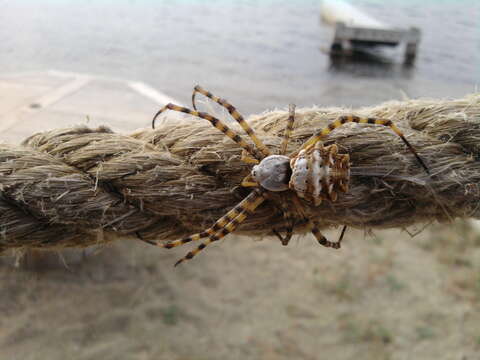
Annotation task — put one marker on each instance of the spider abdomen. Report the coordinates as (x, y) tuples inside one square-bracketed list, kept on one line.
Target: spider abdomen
[(320, 173)]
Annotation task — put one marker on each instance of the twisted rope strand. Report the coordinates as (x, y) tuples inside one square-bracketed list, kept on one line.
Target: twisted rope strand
[(79, 186)]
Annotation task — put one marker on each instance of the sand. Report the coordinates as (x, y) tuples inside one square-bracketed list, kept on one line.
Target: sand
[(386, 296)]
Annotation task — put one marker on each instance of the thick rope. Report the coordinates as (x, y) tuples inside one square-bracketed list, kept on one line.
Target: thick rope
[(78, 186)]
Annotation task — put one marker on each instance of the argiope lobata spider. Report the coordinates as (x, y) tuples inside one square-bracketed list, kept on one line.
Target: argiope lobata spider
[(314, 173)]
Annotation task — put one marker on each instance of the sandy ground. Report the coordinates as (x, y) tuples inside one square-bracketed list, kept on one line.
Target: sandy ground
[(386, 296)]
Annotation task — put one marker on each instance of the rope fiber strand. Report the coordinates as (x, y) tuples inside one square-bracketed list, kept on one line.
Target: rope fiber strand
[(78, 186)]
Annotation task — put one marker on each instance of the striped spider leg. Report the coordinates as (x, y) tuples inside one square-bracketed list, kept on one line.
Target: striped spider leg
[(338, 169), (217, 123), (322, 240), (230, 221), (314, 173), (342, 120), (222, 227), (287, 215), (235, 115), (283, 201)]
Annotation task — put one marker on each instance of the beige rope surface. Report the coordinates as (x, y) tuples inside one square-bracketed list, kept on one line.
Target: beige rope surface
[(78, 186)]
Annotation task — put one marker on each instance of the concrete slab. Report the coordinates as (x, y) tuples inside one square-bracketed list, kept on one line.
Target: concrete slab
[(110, 99), (44, 78), (33, 102), (14, 95), (44, 120)]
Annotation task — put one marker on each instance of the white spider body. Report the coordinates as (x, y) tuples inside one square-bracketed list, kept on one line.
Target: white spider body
[(314, 174), (273, 172), (319, 173)]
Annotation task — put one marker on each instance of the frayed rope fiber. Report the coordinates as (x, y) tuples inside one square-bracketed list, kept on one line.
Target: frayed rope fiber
[(78, 186)]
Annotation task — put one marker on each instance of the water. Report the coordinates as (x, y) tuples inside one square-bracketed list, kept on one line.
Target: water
[(258, 54)]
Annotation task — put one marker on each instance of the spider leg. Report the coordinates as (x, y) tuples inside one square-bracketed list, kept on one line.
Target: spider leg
[(290, 224), (247, 203), (342, 120), (249, 182), (248, 159), (215, 122), (235, 114), (322, 240), (226, 229), (288, 129), (342, 234)]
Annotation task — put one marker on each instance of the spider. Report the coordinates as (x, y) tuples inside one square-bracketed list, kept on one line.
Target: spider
[(313, 173)]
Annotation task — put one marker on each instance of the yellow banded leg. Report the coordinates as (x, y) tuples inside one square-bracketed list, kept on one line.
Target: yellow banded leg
[(288, 129), (342, 120), (342, 234), (235, 114), (248, 159), (287, 215), (215, 122), (249, 182), (242, 206), (225, 230), (322, 240)]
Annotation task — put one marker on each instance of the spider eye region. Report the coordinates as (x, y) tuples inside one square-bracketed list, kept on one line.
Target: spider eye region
[(273, 173)]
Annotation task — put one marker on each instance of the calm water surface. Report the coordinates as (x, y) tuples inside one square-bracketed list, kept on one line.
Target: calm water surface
[(258, 54)]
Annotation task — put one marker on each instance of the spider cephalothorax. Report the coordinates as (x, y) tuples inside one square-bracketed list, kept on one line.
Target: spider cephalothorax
[(314, 173), (273, 173)]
